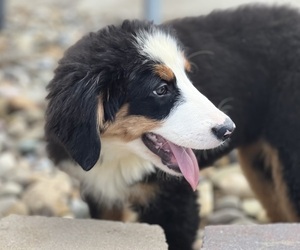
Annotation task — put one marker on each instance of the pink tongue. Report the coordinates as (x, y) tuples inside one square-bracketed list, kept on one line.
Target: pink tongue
[(187, 163)]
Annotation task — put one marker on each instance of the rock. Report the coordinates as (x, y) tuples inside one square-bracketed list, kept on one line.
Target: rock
[(7, 90), (227, 159), (6, 203), (23, 176), (7, 162), (22, 102), (36, 232), (208, 172), (224, 161), (27, 146), (206, 198), (17, 126), (252, 207), (18, 208), (228, 201), (5, 142), (11, 205), (3, 106), (80, 209), (262, 217), (25, 43), (224, 216), (10, 189), (198, 242), (243, 221), (231, 181), (259, 237), (36, 117), (49, 197), (45, 165)]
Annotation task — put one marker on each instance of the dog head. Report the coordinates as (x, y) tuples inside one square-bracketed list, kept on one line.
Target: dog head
[(130, 84)]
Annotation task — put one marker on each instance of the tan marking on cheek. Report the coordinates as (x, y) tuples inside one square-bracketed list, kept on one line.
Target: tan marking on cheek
[(129, 127), (164, 72)]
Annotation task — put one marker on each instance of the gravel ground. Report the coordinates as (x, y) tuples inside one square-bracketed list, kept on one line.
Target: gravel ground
[(31, 44)]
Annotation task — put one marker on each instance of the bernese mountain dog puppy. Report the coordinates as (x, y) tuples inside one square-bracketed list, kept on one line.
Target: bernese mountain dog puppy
[(122, 107), (129, 102)]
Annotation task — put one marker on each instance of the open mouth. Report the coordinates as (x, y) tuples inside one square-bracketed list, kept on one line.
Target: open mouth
[(179, 159)]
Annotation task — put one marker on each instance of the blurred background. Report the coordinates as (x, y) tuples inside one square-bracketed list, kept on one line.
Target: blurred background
[(33, 38)]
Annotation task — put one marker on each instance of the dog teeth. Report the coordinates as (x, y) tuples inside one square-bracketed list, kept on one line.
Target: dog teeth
[(153, 137)]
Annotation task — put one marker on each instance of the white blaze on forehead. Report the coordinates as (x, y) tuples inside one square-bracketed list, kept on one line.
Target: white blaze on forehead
[(190, 123), (160, 46)]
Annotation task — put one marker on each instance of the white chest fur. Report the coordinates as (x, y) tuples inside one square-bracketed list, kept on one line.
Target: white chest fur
[(110, 179)]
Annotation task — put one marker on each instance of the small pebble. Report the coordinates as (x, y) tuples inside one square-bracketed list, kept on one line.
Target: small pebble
[(6, 204), (243, 221), (27, 146), (7, 163), (228, 201), (49, 197), (18, 208), (11, 189), (231, 181), (206, 198), (224, 216), (252, 207), (80, 209)]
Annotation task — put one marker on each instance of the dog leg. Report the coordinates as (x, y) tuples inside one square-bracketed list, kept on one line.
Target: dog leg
[(176, 210), (257, 167), (286, 174), (94, 207)]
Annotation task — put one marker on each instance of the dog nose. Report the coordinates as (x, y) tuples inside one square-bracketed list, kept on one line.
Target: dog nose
[(224, 131)]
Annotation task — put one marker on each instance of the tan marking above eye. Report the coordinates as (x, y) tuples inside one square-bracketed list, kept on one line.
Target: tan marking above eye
[(129, 127), (164, 72)]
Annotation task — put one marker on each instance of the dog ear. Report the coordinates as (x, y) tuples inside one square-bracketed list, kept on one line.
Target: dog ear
[(72, 117)]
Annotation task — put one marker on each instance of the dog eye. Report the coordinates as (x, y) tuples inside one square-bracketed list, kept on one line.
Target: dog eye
[(161, 90)]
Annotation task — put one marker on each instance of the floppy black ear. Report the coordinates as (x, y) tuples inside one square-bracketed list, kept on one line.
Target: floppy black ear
[(72, 115)]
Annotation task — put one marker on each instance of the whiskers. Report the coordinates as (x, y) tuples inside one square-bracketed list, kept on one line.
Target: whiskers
[(224, 105), (198, 53)]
